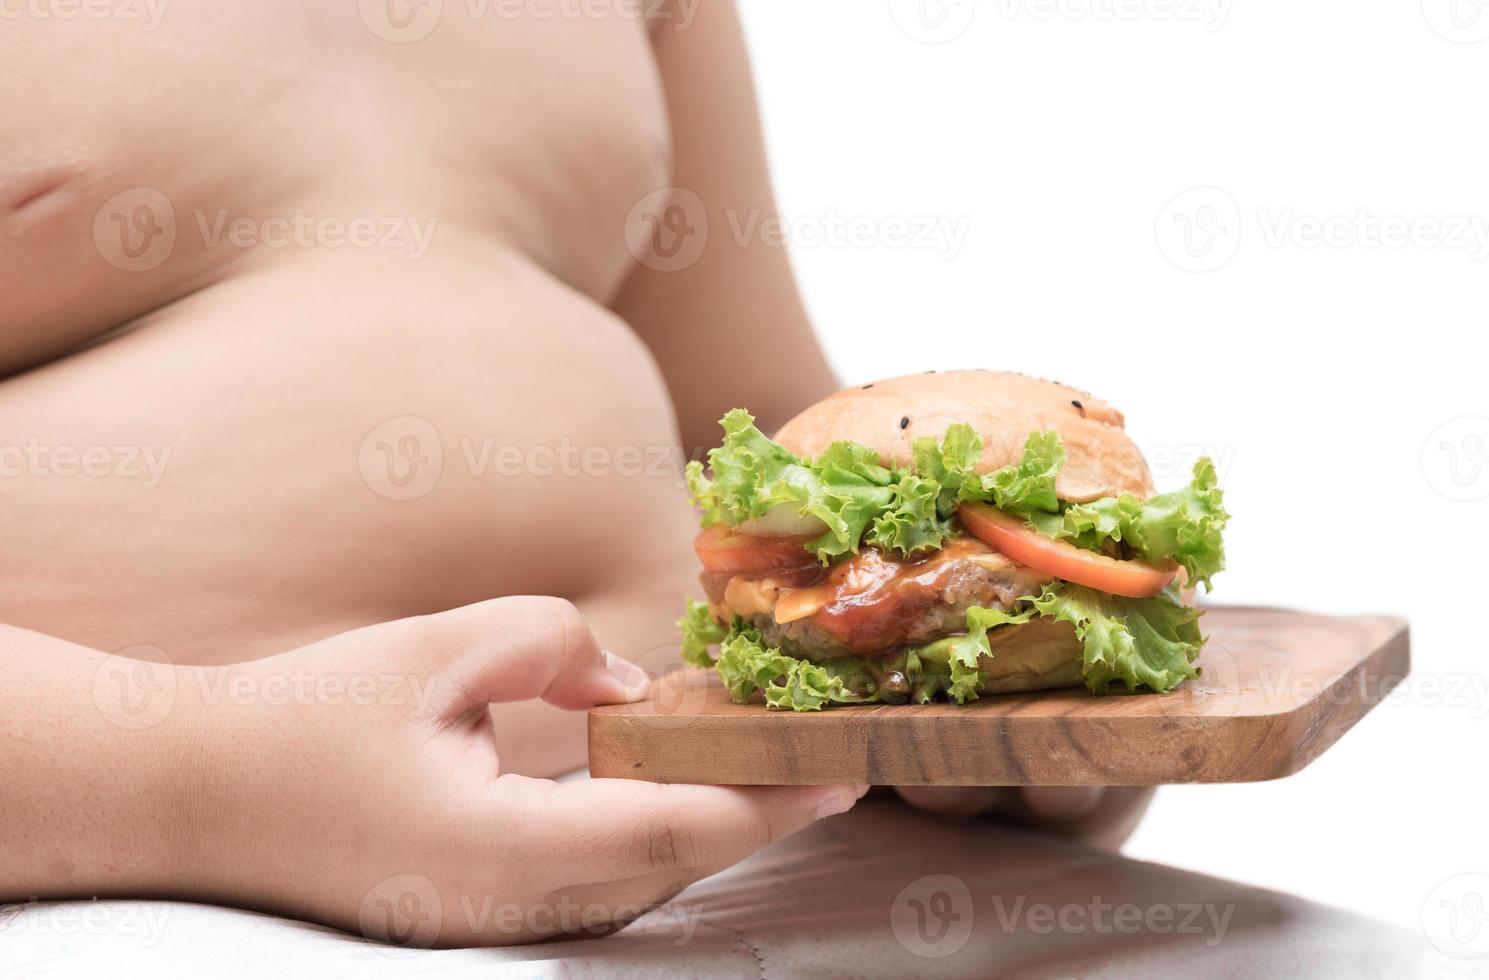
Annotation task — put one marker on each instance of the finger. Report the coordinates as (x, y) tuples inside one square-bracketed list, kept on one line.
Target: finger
[(1121, 810), (616, 829), (1059, 803), (522, 647), (953, 801), (1106, 826)]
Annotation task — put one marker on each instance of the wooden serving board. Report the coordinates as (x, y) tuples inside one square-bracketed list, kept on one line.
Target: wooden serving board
[(1278, 688)]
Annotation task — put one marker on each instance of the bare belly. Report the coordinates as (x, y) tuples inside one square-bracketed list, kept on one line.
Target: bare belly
[(342, 441), (274, 433)]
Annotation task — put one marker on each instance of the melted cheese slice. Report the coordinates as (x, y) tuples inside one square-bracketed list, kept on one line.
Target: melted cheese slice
[(751, 597)]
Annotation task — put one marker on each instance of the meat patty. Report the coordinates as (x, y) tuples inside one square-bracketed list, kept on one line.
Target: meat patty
[(873, 604)]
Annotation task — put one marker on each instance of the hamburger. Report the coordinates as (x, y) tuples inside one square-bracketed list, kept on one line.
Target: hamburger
[(948, 535)]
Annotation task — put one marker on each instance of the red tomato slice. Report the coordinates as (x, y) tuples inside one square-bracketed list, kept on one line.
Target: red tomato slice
[(1019, 541), (721, 549)]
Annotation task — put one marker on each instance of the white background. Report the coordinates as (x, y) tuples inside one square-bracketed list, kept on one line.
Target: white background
[(1317, 372)]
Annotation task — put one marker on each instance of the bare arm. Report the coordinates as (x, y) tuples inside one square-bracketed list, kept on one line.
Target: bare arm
[(729, 329), (317, 782), (92, 799)]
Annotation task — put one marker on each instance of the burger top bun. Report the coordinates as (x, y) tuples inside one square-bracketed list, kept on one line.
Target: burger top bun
[(1003, 409)]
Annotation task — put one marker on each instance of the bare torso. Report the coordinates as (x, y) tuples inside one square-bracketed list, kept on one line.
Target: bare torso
[(260, 259), (236, 480)]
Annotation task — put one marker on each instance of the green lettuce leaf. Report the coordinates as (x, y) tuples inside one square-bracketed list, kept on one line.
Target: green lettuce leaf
[(1148, 642), (848, 491), (845, 488), (701, 490), (849, 464), (1186, 525), (699, 632), (911, 523), (1144, 643), (957, 657), (1028, 486), (950, 664), (748, 469), (950, 464), (964, 651), (910, 510), (746, 665)]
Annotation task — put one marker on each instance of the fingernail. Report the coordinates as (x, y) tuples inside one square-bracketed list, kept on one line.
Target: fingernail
[(862, 791), (831, 806), (632, 678)]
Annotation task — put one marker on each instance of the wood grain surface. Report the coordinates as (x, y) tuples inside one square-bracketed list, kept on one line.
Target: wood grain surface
[(1278, 688)]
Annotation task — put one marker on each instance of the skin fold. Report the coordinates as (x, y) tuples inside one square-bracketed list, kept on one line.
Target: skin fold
[(273, 383)]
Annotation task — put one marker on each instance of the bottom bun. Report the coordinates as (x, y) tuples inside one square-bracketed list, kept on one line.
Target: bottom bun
[(1035, 656)]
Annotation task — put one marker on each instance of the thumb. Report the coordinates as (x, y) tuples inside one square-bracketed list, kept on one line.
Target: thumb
[(522, 647)]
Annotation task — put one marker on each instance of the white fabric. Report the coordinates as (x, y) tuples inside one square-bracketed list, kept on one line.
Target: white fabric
[(849, 897)]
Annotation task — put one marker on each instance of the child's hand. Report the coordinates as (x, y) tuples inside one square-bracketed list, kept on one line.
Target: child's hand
[(386, 813)]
